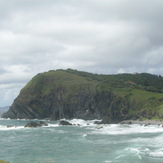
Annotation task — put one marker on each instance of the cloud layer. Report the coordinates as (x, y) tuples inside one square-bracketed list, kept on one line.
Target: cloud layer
[(103, 36)]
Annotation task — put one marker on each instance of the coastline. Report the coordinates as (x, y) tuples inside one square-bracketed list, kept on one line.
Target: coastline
[(143, 122)]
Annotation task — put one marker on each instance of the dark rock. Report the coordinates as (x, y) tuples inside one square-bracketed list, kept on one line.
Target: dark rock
[(147, 124), (97, 122), (106, 120), (36, 124), (43, 123), (126, 122), (32, 124), (64, 123), (9, 126)]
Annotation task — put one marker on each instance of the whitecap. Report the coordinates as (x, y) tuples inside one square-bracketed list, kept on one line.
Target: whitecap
[(84, 135), (81, 122), (136, 151), (157, 153), (120, 156), (117, 129), (51, 125), (107, 161), (5, 128)]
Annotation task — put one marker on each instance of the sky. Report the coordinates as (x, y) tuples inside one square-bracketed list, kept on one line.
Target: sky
[(98, 36)]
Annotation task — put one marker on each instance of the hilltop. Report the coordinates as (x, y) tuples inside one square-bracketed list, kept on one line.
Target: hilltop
[(76, 94)]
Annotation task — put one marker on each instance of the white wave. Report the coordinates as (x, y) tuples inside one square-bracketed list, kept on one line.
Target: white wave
[(4, 118), (150, 141), (137, 151), (84, 135), (5, 128), (107, 161), (157, 153), (51, 125), (117, 129), (120, 156), (133, 150), (81, 122)]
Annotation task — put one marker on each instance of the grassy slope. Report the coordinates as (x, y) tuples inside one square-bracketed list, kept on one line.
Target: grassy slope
[(146, 92), (45, 82), (3, 161)]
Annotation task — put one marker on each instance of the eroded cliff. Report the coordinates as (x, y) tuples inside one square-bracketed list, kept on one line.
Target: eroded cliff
[(72, 94)]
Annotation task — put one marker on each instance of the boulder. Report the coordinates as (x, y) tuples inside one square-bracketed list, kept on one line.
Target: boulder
[(9, 126), (64, 123), (32, 124), (97, 122), (42, 123), (35, 124)]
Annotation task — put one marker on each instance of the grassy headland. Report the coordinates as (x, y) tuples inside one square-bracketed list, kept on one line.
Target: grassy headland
[(71, 93)]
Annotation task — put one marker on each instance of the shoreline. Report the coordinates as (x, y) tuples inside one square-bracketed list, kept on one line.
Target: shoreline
[(143, 122)]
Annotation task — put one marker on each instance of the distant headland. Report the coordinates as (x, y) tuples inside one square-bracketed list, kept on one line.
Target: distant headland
[(58, 94)]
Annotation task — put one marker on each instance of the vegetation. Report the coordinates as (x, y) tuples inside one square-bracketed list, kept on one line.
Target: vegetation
[(3, 161), (120, 96)]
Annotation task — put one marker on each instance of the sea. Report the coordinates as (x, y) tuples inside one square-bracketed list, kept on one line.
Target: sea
[(83, 142)]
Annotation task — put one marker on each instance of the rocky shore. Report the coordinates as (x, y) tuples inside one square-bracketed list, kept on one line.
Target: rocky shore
[(143, 122)]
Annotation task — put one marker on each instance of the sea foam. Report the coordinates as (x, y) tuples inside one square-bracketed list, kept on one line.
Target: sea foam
[(5, 128), (118, 129)]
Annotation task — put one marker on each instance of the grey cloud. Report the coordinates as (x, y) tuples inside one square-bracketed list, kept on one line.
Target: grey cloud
[(105, 36)]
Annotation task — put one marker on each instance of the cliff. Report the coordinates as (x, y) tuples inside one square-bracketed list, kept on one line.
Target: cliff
[(74, 94)]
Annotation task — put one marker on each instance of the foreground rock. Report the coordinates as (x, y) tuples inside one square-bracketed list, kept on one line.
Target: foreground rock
[(35, 124), (65, 123)]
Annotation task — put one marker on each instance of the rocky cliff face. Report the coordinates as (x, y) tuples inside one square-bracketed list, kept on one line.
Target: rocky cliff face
[(61, 104), (63, 94)]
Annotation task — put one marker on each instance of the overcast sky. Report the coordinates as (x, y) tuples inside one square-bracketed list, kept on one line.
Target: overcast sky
[(99, 36)]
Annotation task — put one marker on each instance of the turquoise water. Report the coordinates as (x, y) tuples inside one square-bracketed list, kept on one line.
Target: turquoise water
[(87, 143)]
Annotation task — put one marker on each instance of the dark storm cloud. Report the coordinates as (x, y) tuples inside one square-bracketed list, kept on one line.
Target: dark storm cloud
[(100, 36)]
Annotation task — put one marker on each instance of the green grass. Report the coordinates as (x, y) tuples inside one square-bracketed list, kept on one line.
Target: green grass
[(71, 82), (3, 161), (46, 82)]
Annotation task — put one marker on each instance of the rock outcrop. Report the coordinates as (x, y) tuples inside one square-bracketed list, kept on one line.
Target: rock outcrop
[(36, 124), (65, 123), (71, 94)]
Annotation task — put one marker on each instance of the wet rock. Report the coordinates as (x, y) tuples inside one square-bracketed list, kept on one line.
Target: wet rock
[(43, 123), (99, 127), (9, 126), (147, 124), (126, 122), (64, 123), (32, 124), (36, 124), (97, 122)]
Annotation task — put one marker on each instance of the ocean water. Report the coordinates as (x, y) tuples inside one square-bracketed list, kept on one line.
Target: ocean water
[(84, 142)]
